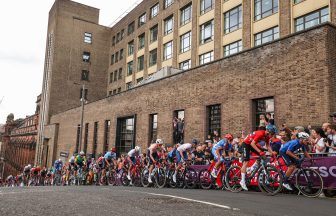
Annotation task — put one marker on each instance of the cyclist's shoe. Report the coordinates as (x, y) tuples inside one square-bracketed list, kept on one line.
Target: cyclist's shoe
[(128, 177), (287, 186), (150, 179), (214, 173), (243, 185)]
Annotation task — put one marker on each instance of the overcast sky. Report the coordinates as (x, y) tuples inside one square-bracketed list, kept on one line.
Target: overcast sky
[(22, 47)]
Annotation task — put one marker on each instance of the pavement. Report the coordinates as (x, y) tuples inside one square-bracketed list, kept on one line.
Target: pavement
[(93, 200)]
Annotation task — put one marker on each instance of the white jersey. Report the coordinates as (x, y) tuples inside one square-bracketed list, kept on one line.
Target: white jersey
[(133, 153), (184, 147)]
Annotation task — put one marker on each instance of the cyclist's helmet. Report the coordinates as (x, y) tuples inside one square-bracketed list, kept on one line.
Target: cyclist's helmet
[(229, 137), (137, 148), (194, 141), (159, 141), (59, 160), (81, 153), (113, 149), (271, 129), (29, 166), (302, 135)]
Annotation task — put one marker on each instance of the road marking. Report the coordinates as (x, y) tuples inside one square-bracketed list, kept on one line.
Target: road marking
[(24, 191), (183, 198)]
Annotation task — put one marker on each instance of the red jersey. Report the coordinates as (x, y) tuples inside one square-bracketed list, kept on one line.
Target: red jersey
[(257, 136)]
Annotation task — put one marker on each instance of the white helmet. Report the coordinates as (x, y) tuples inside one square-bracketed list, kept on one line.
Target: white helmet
[(137, 148), (81, 153), (303, 135), (29, 166), (159, 141)]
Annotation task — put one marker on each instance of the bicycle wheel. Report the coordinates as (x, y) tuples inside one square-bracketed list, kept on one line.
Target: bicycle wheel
[(309, 182), (190, 178), (179, 179), (144, 177), (232, 179), (136, 178), (223, 179), (124, 179), (111, 178), (205, 179), (170, 180), (160, 178), (270, 180)]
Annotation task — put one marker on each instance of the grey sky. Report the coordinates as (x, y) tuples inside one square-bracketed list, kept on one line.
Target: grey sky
[(22, 47)]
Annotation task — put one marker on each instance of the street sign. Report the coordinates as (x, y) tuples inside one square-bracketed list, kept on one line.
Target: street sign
[(64, 154)]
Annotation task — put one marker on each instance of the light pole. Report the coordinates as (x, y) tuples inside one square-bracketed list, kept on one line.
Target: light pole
[(82, 116)]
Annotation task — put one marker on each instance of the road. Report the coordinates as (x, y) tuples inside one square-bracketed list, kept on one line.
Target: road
[(92, 200)]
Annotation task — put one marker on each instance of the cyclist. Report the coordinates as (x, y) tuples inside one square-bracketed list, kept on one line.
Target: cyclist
[(80, 159), (250, 144), (223, 147), (132, 155), (287, 152), (58, 165), (110, 157), (152, 153), (182, 154)]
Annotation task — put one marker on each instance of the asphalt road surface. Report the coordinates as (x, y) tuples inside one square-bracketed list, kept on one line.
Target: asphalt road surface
[(93, 200)]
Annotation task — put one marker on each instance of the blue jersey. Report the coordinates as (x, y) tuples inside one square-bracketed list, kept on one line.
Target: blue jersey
[(58, 165), (172, 153), (224, 144), (110, 155), (292, 146)]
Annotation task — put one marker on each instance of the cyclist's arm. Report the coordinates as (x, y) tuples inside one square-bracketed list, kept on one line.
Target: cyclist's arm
[(291, 154), (269, 148), (253, 144), (307, 155)]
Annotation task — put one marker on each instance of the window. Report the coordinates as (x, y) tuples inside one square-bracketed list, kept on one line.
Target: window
[(86, 56), (153, 127), (116, 57), (112, 59), (206, 5), (130, 28), (121, 55), (87, 37), (86, 135), (118, 37), (152, 57), (129, 68), (185, 65), (131, 48), (85, 94), (233, 19), (141, 60), (120, 74), (153, 34), (264, 8), (168, 25), (114, 91), (154, 10), (110, 93), (142, 20), (119, 89), (95, 140), (111, 77), (141, 41), (178, 126), (312, 19), (122, 34), (168, 50), (85, 75), (125, 139), (77, 138), (263, 106), (115, 78), (107, 128), (185, 42), (233, 48), (167, 3), (297, 1), (214, 119), (186, 14), (139, 80), (206, 32), (266, 36), (128, 85), (113, 40), (206, 57)]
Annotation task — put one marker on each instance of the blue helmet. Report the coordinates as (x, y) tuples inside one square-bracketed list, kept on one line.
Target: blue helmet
[(271, 128)]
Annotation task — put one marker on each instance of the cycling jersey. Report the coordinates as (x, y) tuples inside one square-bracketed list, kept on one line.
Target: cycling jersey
[(184, 147), (110, 155), (257, 136), (292, 146), (58, 165), (80, 160), (275, 144), (133, 153), (223, 144)]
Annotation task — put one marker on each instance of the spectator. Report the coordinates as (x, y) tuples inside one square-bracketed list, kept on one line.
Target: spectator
[(180, 130), (325, 126), (319, 144), (297, 130), (175, 120), (215, 137), (270, 118), (333, 115), (331, 143), (199, 155), (262, 121)]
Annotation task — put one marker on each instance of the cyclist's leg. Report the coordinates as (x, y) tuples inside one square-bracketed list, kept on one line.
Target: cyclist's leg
[(290, 162), (246, 159)]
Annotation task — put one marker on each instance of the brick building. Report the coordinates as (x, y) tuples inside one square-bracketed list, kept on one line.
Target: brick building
[(238, 59)]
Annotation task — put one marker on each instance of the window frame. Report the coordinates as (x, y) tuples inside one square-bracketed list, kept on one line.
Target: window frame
[(88, 37), (157, 7), (142, 20), (204, 10), (165, 55), (140, 63), (85, 75), (140, 44), (202, 57), (181, 65), (166, 21), (203, 28), (239, 48), (88, 54), (130, 68), (151, 63), (187, 9), (263, 14), (263, 37), (238, 11), (152, 30), (183, 39), (319, 18)]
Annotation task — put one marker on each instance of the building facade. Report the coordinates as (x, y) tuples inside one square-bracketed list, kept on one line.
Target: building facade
[(18, 144), (238, 59)]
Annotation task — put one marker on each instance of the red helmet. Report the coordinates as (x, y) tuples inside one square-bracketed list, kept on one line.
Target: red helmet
[(229, 137), (113, 149)]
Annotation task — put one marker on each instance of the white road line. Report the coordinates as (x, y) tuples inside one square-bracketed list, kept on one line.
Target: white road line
[(183, 198), (24, 191)]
